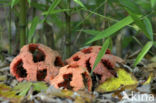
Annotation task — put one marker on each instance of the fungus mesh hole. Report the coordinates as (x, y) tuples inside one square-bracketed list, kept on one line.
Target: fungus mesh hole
[(76, 58), (58, 61), (38, 55), (85, 79), (88, 65), (66, 83), (41, 74), (20, 71), (87, 51), (95, 78), (73, 66), (109, 66)]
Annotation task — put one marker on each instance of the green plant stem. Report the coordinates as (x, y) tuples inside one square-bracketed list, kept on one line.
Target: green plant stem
[(22, 22), (90, 14), (49, 32), (68, 34), (1, 56), (34, 11), (10, 32)]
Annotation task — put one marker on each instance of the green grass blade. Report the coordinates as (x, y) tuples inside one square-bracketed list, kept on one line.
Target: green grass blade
[(153, 2), (51, 8), (13, 2), (148, 28), (56, 11), (112, 29), (39, 86), (100, 15), (91, 32), (22, 88), (145, 49), (39, 6), (29, 1), (4, 2), (33, 26), (80, 3), (130, 5), (144, 25), (154, 44), (101, 53), (54, 5)]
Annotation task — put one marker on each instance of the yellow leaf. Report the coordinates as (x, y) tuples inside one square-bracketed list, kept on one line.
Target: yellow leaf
[(67, 93), (153, 59), (3, 77), (7, 93), (79, 100), (149, 79), (124, 79)]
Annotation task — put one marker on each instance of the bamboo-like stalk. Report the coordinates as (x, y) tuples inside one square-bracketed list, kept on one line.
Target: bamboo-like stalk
[(49, 33), (10, 32), (1, 56), (22, 22), (68, 34)]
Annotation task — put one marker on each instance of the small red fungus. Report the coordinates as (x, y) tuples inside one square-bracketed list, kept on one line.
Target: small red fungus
[(36, 62), (72, 77), (87, 57)]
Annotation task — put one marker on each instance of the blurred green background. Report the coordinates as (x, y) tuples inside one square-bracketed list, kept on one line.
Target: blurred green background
[(69, 25)]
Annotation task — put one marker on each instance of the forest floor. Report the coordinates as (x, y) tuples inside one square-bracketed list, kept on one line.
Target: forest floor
[(143, 92)]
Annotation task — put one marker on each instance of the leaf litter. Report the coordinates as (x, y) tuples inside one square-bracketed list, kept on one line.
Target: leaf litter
[(139, 79)]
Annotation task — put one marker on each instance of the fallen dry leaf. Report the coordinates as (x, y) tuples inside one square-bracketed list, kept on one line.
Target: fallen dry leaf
[(8, 94), (124, 79)]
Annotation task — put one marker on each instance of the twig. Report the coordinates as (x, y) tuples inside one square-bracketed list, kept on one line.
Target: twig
[(77, 37), (10, 32)]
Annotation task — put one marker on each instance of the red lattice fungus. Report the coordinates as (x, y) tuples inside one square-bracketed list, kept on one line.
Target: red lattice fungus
[(36, 62), (72, 77), (87, 57)]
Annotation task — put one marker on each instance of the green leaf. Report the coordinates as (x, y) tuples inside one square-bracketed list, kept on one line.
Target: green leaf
[(80, 3), (124, 79), (29, 1), (22, 88), (148, 27), (33, 26), (39, 6), (112, 29), (8, 94), (57, 21), (130, 5), (55, 11), (52, 7), (101, 53), (102, 16), (92, 32), (4, 1), (143, 52), (154, 44), (40, 86), (13, 2), (153, 2), (143, 23)]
